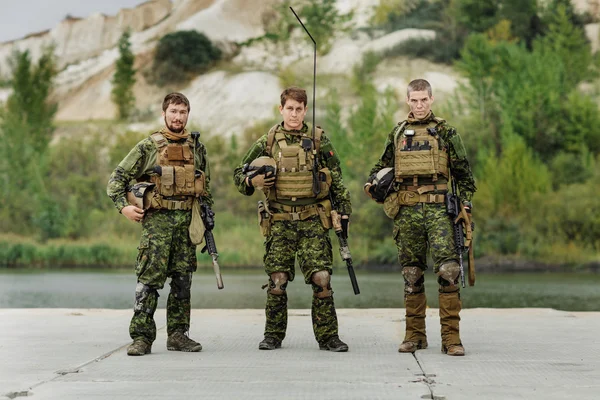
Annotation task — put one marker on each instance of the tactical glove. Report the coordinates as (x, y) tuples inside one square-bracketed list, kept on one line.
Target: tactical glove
[(345, 223), (261, 181)]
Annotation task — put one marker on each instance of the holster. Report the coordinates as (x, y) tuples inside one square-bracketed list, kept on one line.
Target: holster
[(264, 219)]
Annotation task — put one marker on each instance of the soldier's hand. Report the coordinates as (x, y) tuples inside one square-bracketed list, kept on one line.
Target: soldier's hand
[(261, 181), (133, 213), (367, 189)]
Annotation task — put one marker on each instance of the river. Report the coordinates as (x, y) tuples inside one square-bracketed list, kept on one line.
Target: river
[(114, 289)]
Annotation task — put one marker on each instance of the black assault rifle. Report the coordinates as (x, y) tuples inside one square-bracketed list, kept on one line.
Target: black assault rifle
[(344, 249), (208, 217), (455, 210)]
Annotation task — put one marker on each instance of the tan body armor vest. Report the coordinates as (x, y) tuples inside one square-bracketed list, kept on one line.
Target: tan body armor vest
[(176, 161), (294, 179), (421, 154)]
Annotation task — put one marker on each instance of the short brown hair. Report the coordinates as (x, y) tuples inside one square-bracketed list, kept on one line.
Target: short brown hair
[(175, 98), (294, 93), (418, 85)]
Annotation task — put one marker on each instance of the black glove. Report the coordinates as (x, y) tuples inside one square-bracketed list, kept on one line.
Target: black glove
[(345, 222)]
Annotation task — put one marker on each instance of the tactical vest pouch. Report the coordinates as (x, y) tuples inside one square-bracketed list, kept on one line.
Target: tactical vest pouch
[(324, 210), (167, 181), (264, 219), (175, 152), (289, 159), (419, 162), (392, 204), (200, 184), (325, 182), (294, 185)]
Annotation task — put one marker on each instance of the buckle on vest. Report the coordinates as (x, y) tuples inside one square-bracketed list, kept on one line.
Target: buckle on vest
[(295, 216)]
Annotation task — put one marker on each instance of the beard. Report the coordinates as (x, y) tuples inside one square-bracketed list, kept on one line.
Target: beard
[(173, 129)]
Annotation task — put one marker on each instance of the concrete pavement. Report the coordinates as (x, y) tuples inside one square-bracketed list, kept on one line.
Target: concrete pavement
[(511, 354)]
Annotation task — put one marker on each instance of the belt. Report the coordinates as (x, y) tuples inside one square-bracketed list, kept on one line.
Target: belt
[(425, 189), (293, 213), (176, 204)]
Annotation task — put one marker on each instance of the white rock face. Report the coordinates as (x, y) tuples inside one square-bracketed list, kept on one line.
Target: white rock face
[(81, 39), (228, 104)]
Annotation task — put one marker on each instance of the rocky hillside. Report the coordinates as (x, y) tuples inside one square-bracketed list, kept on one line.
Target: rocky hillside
[(236, 93)]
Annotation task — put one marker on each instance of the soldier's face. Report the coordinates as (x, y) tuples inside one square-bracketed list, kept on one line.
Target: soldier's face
[(419, 103), (293, 114), (176, 117)]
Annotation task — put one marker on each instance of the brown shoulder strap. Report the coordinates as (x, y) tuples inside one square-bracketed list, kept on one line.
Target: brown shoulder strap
[(271, 139), (318, 134), (159, 140)]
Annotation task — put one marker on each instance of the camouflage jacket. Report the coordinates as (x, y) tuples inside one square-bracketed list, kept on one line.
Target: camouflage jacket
[(457, 158), (327, 158), (139, 162)]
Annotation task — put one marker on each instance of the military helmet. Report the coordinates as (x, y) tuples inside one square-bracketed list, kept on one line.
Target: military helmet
[(259, 162), (139, 195), (382, 184)]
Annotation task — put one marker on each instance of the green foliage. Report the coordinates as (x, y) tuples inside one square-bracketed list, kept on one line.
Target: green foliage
[(533, 93), (182, 55), (321, 18), (25, 130), (124, 78)]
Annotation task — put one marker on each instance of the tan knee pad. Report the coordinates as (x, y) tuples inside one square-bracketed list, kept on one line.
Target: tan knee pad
[(321, 284), (277, 283), (413, 279), (449, 272)]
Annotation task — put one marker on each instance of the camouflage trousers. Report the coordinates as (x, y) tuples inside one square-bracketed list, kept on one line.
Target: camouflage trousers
[(165, 250), (309, 243), (423, 226)]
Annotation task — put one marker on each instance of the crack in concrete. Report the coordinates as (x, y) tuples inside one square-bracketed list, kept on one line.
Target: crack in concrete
[(427, 380), (14, 395)]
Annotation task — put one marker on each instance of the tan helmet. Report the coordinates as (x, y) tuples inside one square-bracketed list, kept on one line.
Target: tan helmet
[(139, 194), (262, 161)]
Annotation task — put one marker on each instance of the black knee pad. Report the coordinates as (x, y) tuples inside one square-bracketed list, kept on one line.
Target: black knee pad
[(146, 299), (181, 285), (321, 284), (278, 283)]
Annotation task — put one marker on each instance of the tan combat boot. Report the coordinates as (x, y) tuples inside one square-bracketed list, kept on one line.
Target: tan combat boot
[(450, 306), (139, 347), (415, 337)]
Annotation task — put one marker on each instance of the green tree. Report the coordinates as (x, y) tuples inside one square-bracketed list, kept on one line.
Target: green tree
[(321, 18), (194, 54), (26, 127), (124, 78)]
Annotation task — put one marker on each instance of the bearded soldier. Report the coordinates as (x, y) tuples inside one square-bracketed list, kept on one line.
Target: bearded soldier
[(296, 216), (421, 155), (172, 172)]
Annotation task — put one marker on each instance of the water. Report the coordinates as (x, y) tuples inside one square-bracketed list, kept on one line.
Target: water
[(109, 289)]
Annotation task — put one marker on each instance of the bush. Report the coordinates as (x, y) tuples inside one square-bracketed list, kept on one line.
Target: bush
[(182, 55)]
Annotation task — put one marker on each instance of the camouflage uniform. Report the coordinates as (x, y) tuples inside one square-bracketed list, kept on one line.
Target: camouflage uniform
[(165, 248), (307, 240), (427, 224)]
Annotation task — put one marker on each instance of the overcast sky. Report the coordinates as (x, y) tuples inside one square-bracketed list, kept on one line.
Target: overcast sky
[(19, 18)]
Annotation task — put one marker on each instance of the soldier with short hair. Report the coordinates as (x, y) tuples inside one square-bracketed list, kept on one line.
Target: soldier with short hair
[(173, 173), (421, 155), (296, 216)]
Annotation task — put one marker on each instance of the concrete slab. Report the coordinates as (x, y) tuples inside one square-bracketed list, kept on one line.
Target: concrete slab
[(511, 354)]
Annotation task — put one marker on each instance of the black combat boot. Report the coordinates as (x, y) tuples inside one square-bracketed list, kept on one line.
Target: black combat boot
[(269, 343), (334, 344)]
